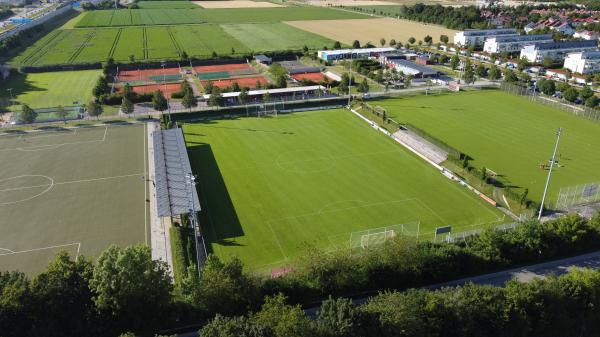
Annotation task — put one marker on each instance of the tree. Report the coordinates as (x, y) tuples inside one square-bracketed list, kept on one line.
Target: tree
[(494, 73), (127, 91), (408, 81), (343, 87), (356, 44), (509, 76), (94, 109), (547, 87), (16, 304), (159, 102), (281, 81), (189, 101), (127, 106), (382, 42), (591, 102), (101, 87), (62, 113), (586, 92), (281, 319), (64, 284), (570, 94), (243, 97), (522, 63), (235, 87), (481, 71), (428, 40), (483, 174), (469, 75), (184, 56), (454, 61), (523, 197), (336, 317), (130, 287), (337, 45), (27, 115), (444, 38), (364, 86), (393, 43), (222, 326), (548, 62), (411, 40)]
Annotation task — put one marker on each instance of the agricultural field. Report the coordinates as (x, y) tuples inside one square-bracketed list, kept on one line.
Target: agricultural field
[(202, 40), (275, 36), (75, 190), (50, 89), (509, 135), (372, 30), (235, 4), (166, 5), (137, 17), (271, 185)]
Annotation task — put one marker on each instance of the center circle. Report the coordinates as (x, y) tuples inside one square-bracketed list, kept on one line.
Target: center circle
[(23, 188), (305, 161)]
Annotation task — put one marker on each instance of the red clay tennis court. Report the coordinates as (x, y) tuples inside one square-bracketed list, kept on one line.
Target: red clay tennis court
[(166, 89), (249, 82), (314, 77), (147, 74), (222, 67)]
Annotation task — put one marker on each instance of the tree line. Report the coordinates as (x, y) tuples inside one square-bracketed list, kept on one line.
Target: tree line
[(125, 290)]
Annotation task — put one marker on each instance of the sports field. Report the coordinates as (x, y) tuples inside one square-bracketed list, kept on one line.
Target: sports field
[(509, 135), (71, 46), (235, 4), (270, 185), (372, 30), (40, 90), (78, 191), (275, 36), (166, 4)]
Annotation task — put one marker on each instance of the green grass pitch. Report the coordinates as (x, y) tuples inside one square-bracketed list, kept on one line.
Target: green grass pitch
[(167, 5), (275, 36), (509, 135), (78, 191), (42, 90), (270, 185)]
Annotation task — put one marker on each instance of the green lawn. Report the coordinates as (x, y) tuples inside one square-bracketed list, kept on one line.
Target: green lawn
[(167, 5), (270, 185), (50, 89), (275, 36), (79, 191), (508, 134), (202, 40)]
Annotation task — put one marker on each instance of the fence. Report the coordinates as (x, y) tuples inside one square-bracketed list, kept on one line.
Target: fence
[(577, 195), (578, 110), (462, 236)]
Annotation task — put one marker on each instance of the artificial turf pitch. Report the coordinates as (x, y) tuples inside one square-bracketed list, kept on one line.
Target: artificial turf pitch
[(268, 186), (78, 191), (508, 134)]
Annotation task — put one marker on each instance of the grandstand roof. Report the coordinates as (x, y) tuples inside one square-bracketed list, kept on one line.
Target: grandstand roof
[(174, 193), (271, 91)]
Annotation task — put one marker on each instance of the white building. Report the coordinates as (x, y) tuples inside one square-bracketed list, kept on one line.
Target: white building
[(477, 37), (557, 51), (586, 35), (340, 54), (584, 62), (410, 68), (513, 43)]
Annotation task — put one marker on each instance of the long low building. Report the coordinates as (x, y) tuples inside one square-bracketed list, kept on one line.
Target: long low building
[(513, 43), (342, 54), (557, 51), (477, 37), (298, 92), (584, 62), (410, 68)]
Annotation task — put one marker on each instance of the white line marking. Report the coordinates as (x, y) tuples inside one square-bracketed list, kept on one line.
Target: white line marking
[(105, 131), (68, 182), (43, 248), (48, 188), (6, 249)]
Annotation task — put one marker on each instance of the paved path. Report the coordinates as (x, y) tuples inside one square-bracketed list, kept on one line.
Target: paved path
[(159, 227)]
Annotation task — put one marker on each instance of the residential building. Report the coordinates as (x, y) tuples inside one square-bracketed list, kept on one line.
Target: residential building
[(477, 37), (557, 51), (410, 68), (513, 43), (341, 54), (563, 75), (585, 62), (586, 35)]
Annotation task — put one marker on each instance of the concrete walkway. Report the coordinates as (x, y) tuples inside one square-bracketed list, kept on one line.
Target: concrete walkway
[(160, 240)]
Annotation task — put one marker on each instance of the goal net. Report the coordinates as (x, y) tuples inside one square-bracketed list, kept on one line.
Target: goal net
[(578, 195), (378, 236)]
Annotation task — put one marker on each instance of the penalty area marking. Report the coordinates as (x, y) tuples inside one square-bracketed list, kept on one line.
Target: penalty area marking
[(10, 252)]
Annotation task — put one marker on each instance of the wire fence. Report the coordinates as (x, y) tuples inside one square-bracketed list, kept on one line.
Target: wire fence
[(577, 195), (576, 109)]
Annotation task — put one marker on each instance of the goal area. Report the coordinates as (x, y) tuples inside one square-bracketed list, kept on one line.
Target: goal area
[(378, 236)]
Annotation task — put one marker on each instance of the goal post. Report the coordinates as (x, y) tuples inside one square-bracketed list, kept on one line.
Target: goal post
[(375, 237)]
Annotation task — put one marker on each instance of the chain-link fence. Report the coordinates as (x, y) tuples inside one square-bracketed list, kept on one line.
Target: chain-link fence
[(577, 195)]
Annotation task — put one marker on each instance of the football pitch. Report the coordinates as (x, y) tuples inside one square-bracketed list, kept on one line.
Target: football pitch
[(269, 186), (508, 134), (74, 190)]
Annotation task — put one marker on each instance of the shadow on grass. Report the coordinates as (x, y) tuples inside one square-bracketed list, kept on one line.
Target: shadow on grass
[(16, 85), (218, 216)]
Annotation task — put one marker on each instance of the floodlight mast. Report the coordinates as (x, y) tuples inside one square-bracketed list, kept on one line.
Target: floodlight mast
[(190, 180), (558, 132)]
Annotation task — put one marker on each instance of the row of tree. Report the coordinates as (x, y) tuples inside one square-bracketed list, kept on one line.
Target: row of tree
[(125, 290)]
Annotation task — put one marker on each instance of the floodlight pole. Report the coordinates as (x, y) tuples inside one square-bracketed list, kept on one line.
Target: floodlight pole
[(190, 180), (165, 86), (558, 132)]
